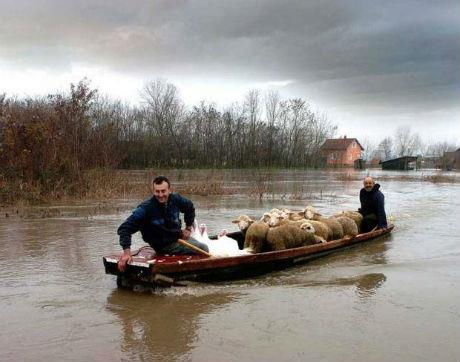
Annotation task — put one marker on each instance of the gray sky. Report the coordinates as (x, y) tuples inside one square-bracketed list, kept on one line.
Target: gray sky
[(371, 67)]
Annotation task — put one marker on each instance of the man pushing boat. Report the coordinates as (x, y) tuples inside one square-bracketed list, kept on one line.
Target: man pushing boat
[(158, 220)]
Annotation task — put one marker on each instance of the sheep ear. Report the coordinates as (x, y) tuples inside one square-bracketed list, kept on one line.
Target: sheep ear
[(236, 221)]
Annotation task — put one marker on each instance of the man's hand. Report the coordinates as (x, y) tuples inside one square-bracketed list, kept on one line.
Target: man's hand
[(186, 233), (125, 258)]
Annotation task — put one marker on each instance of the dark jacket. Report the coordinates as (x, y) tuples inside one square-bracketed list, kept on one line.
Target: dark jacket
[(373, 202), (159, 224)]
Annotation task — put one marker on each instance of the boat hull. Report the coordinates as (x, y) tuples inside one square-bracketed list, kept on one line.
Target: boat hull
[(147, 267)]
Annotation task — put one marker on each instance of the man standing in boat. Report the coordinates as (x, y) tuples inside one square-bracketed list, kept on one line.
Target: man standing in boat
[(372, 206), (158, 220)]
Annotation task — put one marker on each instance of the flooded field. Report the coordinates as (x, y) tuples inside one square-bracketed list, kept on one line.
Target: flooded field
[(393, 299)]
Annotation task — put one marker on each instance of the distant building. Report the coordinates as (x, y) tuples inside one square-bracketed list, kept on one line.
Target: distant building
[(341, 151), (452, 160), (375, 162), (400, 163)]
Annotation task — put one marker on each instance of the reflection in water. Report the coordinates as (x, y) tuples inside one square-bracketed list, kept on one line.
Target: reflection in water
[(366, 285), (161, 327)]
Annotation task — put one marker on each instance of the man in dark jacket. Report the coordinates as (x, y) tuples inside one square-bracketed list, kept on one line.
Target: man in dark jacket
[(372, 206), (158, 220)]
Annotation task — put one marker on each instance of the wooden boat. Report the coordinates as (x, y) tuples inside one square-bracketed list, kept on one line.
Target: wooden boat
[(169, 270)]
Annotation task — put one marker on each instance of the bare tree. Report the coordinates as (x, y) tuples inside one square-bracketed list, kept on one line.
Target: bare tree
[(406, 142), (164, 114), (369, 149), (385, 149), (272, 111), (252, 107), (437, 149)]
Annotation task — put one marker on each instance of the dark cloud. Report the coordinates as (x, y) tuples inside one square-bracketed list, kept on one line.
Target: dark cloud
[(381, 54)]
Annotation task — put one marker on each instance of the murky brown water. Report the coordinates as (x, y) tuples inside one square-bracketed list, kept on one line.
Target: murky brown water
[(394, 299)]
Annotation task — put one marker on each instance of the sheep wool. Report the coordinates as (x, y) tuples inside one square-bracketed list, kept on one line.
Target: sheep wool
[(256, 237), (309, 237), (334, 225), (322, 230), (349, 226), (355, 215), (285, 236)]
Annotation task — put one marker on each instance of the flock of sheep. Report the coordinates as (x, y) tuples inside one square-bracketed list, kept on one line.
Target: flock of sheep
[(282, 229)]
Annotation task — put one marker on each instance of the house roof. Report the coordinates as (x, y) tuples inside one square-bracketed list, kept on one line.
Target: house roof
[(338, 144)]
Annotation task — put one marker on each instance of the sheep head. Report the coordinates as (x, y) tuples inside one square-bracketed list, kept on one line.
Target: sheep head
[(309, 211), (202, 228), (272, 219), (307, 227), (296, 215), (317, 216), (243, 221)]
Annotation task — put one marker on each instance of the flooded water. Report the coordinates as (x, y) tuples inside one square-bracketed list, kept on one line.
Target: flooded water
[(393, 299)]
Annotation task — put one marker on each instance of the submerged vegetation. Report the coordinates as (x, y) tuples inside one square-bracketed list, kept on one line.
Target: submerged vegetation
[(69, 144)]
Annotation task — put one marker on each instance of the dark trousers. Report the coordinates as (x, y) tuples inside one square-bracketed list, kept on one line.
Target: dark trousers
[(179, 249), (369, 222)]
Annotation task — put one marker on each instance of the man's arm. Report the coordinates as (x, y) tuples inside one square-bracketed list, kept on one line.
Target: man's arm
[(382, 217), (187, 208), (360, 210), (130, 226)]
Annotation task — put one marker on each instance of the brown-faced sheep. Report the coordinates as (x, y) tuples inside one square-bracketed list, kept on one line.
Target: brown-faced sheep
[(350, 229), (335, 226), (255, 239)]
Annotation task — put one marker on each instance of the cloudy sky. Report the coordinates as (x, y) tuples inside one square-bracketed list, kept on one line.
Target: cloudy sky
[(371, 66)]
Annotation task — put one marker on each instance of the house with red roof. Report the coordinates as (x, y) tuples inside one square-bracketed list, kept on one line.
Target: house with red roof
[(341, 151)]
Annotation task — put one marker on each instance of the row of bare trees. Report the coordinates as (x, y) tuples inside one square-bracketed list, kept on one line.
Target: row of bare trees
[(51, 141), (263, 131), (405, 142)]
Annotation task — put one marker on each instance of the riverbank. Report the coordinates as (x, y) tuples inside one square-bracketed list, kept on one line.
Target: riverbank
[(103, 185)]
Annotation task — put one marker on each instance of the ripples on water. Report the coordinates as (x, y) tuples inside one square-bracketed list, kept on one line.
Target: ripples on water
[(396, 298)]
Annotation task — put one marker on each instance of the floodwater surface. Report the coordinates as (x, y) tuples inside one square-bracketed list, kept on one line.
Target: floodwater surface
[(393, 299)]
